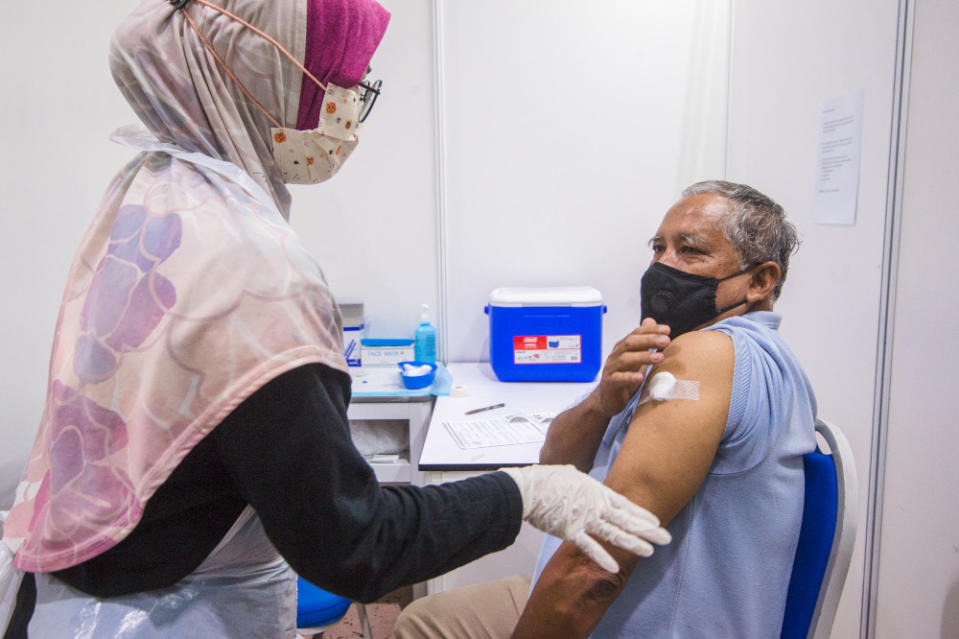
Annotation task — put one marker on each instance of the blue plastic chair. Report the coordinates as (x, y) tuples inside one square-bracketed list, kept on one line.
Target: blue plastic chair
[(317, 609), (825, 538)]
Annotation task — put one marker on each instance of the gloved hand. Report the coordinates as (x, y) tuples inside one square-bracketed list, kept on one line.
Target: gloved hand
[(567, 503)]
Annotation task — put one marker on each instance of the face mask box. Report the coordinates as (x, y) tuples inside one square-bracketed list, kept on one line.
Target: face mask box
[(386, 352), (352, 338), (546, 334)]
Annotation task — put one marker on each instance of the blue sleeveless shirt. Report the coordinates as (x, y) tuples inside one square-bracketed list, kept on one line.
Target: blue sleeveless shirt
[(727, 570)]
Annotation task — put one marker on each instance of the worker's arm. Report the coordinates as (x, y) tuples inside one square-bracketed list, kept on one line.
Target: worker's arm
[(665, 456), (576, 433), (292, 459)]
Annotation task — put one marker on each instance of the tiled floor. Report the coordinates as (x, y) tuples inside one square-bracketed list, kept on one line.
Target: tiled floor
[(382, 617)]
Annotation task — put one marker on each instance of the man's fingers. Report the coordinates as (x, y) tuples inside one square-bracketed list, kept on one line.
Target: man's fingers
[(644, 341), (629, 381), (632, 362), (635, 360), (649, 334), (597, 553), (649, 324)]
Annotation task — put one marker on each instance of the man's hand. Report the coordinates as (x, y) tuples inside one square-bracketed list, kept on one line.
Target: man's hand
[(627, 364), (576, 433)]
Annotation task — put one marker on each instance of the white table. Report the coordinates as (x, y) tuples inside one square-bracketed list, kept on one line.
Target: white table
[(442, 460), (440, 452), (378, 395)]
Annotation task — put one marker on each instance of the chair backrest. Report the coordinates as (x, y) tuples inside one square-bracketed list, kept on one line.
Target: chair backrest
[(825, 539)]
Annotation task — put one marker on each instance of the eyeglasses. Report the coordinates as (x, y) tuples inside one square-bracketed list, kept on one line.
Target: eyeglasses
[(369, 91)]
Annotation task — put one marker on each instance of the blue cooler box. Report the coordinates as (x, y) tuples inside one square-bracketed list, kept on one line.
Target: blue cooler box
[(546, 334)]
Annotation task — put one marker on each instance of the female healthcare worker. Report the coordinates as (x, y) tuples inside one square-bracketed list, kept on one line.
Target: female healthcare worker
[(194, 445)]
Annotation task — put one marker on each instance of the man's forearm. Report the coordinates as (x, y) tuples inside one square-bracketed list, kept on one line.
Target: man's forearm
[(572, 595), (575, 434)]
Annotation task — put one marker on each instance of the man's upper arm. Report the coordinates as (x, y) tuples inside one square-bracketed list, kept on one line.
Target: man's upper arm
[(670, 445), (664, 458)]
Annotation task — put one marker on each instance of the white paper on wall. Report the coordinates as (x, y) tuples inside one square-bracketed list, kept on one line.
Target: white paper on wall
[(837, 170)]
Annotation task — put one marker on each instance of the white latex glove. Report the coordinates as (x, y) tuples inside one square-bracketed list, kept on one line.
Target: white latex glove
[(567, 503)]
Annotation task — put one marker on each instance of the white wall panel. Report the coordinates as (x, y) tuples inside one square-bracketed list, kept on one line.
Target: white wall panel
[(373, 226), (570, 128), (918, 584), (60, 105)]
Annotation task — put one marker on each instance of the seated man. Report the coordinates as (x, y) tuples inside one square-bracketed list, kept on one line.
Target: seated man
[(715, 450)]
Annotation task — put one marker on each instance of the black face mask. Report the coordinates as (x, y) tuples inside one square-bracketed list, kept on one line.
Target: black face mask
[(681, 300)]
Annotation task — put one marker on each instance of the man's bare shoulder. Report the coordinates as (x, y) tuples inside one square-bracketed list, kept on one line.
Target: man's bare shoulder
[(703, 353), (670, 445)]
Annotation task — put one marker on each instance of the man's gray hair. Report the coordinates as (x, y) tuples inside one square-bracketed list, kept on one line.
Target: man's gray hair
[(755, 224)]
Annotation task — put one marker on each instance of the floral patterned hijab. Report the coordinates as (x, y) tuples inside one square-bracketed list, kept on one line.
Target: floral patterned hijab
[(189, 291)]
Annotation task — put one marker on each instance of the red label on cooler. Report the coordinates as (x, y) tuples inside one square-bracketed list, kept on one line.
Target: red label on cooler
[(529, 343), (547, 349)]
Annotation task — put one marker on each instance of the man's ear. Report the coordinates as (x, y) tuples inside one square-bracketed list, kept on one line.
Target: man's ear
[(763, 282)]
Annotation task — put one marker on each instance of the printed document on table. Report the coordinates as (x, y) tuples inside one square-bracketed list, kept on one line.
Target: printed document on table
[(837, 170), (500, 431)]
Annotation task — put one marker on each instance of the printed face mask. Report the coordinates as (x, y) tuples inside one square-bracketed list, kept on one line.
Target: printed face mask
[(681, 300), (312, 156)]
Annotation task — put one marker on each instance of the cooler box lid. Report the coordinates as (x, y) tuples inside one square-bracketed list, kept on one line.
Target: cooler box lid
[(546, 296)]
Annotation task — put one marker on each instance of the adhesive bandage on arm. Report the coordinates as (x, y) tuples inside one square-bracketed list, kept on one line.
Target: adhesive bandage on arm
[(664, 386)]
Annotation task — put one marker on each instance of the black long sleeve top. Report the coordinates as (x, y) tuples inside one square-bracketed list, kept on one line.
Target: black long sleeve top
[(287, 451)]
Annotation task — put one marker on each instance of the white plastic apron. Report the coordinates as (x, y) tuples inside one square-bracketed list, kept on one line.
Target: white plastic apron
[(10, 579), (242, 589), (136, 136)]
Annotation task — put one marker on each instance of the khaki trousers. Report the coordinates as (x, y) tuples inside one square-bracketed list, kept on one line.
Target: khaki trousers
[(484, 611)]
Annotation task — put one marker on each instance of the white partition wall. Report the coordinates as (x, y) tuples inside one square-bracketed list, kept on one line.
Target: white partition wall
[(373, 227), (917, 585), (60, 104), (787, 57), (568, 130)]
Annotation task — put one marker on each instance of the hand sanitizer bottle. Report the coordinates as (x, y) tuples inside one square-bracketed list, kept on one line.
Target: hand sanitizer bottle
[(425, 348)]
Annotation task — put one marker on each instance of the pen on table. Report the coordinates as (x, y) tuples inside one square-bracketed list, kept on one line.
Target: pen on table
[(485, 408)]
